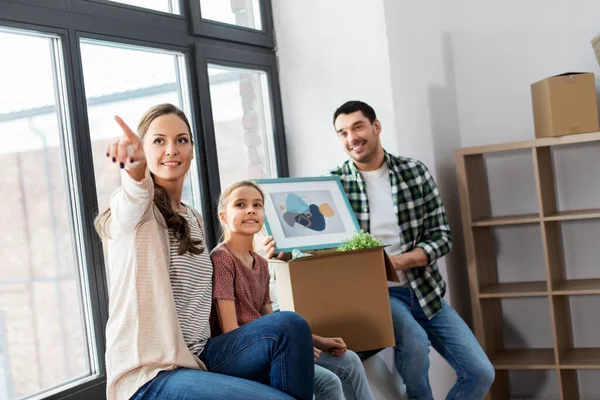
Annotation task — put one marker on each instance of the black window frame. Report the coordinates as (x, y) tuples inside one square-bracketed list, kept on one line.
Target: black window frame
[(236, 59), (104, 20), (221, 30)]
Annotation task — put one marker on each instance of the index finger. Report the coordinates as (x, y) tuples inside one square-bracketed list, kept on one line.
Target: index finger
[(126, 129)]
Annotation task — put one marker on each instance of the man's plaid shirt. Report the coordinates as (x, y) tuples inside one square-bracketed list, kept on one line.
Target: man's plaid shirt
[(421, 218)]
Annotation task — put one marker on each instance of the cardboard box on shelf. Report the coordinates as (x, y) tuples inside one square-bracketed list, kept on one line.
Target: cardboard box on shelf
[(565, 104), (341, 294)]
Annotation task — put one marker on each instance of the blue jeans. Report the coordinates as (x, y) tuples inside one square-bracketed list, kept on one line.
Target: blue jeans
[(194, 384), (342, 377), (275, 349), (450, 336)]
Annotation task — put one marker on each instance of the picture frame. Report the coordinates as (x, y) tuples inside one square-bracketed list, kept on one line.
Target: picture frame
[(309, 213)]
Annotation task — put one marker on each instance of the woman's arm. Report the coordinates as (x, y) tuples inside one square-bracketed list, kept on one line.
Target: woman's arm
[(130, 202)]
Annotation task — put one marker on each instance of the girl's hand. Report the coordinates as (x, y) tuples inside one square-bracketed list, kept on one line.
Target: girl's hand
[(317, 353), (336, 346), (269, 248), (128, 152)]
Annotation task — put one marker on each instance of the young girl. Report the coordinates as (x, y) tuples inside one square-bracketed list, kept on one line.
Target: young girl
[(241, 294), (160, 287)]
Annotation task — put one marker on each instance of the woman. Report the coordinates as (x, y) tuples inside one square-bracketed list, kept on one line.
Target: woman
[(160, 280)]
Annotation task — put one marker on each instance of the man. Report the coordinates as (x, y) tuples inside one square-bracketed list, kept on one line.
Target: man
[(396, 200)]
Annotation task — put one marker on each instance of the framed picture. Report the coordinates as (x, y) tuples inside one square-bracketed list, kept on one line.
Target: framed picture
[(307, 213)]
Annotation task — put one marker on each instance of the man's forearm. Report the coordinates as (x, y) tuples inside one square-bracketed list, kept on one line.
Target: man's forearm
[(412, 259)]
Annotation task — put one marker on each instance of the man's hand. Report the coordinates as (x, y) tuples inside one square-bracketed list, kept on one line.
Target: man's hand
[(414, 258), (335, 346)]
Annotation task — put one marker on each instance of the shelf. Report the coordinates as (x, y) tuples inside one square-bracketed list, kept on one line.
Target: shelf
[(507, 220), (529, 144), (524, 359), (514, 289), (574, 215), (484, 231), (577, 287), (582, 358)]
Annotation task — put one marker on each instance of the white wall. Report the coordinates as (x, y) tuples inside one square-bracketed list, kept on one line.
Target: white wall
[(446, 74), (330, 52), (327, 50), (427, 128), (499, 49)]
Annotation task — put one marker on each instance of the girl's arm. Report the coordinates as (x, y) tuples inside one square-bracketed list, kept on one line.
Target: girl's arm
[(227, 315), (224, 289), (266, 309)]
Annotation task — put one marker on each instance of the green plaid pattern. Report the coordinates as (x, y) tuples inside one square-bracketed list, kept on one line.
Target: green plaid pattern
[(421, 218)]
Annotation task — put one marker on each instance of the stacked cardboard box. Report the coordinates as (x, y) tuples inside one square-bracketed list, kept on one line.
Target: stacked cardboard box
[(564, 105)]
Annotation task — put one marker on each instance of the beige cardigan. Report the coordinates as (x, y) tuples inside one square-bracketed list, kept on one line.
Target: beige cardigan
[(143, 336)]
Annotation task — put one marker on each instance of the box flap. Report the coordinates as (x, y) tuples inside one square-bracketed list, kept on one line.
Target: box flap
[(390, 272), (332, 252), (561, 75), (571, 73)]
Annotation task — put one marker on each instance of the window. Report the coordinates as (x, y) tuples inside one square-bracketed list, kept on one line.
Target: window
[(168, 6), (45, 341), (71, 66), (241, 111), (127, 81), (245, 21), (5, 380), (243, 13)]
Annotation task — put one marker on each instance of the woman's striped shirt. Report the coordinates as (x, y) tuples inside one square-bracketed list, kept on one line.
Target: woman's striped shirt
[(191, 281)]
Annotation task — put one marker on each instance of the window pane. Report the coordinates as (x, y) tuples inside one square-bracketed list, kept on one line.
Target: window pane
[(241, 109), (43, 330), (168, 6), (245, 13), (127, 81)]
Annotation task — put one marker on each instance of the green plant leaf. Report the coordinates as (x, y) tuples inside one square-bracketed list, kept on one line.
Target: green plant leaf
[(360, 240)]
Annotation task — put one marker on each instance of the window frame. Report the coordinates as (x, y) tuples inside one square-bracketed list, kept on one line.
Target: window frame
[(222, 30), (236, 59), (72, 20), (140, 8), (97, 285)]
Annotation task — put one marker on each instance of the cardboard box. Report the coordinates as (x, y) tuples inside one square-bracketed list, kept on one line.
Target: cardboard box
[(564, 105), (341, 294)]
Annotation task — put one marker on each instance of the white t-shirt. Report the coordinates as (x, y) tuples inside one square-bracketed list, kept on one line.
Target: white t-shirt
[(383, 219)]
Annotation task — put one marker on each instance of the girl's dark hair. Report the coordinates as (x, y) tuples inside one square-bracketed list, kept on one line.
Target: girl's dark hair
[(162, 201)]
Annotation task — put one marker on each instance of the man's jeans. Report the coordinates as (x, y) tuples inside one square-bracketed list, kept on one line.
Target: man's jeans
[(276, 348), (450, 336)]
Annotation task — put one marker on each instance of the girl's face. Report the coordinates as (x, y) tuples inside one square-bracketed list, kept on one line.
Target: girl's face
[(244, 213), (168, 148)]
